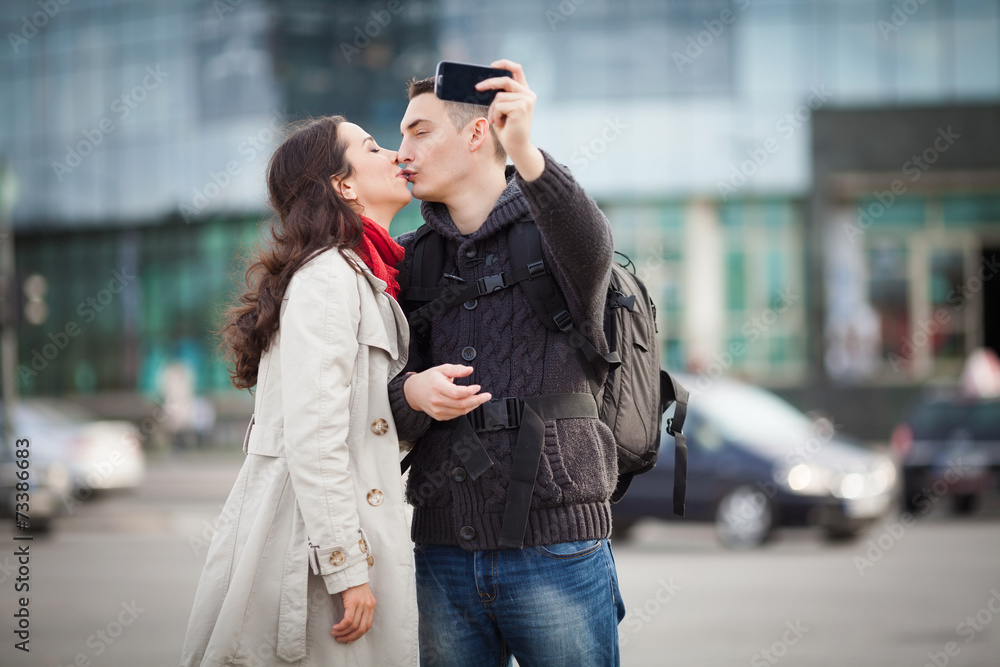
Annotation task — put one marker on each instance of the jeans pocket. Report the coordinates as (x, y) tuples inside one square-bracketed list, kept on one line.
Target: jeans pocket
[(563, 550)]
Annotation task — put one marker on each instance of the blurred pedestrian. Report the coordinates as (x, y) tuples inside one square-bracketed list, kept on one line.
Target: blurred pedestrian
[(314, 531)]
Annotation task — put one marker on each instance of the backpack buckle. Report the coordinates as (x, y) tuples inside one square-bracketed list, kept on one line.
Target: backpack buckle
[(536, 269), (563, 320), (489, 284), (497, 414)]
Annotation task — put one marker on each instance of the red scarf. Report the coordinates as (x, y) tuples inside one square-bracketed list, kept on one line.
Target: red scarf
[(381, 254)]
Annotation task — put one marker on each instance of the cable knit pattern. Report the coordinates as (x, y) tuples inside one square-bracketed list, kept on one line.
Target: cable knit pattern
[(515, 356)]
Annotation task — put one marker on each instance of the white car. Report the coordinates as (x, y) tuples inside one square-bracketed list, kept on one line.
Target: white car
[(98, 454)]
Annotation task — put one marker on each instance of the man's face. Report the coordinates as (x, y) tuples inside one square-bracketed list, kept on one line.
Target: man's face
[(436, 155)]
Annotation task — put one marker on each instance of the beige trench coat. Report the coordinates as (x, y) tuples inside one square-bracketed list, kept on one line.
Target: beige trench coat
[(318, 504)]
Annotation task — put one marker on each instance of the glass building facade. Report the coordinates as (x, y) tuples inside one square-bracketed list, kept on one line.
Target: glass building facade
[(140, 130)]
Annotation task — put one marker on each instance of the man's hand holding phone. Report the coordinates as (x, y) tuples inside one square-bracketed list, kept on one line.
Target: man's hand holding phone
[(510, 115)]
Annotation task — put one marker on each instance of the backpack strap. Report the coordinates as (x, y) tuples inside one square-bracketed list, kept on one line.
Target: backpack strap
[(428, 264), (548, 302), (672, 392), (482, 287)]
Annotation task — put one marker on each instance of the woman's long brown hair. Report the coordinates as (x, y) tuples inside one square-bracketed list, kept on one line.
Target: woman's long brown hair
[(309, 217)]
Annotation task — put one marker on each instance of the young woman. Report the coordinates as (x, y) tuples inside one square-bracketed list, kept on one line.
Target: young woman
[(314, 530)]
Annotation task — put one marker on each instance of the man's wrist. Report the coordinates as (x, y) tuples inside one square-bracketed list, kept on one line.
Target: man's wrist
[(406, 394), (529, 162)]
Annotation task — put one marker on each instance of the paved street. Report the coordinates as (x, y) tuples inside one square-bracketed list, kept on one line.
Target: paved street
[(113, 586)]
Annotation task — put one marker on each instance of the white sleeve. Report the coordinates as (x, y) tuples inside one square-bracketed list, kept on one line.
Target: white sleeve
[(319, 346)]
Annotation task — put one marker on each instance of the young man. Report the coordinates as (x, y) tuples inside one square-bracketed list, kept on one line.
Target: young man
[(511, 503)]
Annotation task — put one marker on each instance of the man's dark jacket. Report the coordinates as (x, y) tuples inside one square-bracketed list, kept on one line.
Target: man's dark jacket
[(514, 355)]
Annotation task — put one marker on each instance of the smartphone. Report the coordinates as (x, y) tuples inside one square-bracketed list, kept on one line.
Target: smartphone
[(456, 82)]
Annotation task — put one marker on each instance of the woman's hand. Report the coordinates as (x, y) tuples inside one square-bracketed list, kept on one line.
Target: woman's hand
[(434, 391), (359, 610)]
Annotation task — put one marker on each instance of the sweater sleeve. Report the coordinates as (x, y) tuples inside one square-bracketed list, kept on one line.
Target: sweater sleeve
[(575, 233), (410, 423)]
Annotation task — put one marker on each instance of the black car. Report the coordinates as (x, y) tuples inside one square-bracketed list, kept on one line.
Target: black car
[(949, 447), (755, 464)]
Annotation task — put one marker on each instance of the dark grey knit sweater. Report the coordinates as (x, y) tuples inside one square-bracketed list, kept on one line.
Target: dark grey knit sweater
[(515, 355)]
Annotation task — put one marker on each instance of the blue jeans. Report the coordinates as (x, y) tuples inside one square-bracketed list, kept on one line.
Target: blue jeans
[(546, 606)]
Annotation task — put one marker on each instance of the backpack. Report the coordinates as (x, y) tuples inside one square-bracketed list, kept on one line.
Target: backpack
[(636, 393)]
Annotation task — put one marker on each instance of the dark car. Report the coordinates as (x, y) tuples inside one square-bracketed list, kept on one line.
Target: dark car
[(756, 463), (948, 447)]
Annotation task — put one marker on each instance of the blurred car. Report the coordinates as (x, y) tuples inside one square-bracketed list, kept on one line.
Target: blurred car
[(756, 463), (48, 484), (98, 454), (948, 446)]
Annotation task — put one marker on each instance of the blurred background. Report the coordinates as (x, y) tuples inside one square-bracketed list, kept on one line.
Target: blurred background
[(810, 189)]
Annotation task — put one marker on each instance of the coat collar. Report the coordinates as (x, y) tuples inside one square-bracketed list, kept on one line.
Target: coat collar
[(383, 323), (510, 207)]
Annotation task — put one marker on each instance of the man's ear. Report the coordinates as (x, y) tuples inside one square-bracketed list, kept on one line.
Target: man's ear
[(480, 132), (345, 188)]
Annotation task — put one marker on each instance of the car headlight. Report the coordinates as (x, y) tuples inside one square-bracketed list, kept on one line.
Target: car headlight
[(881, 478), (805, 479), (850, 485)]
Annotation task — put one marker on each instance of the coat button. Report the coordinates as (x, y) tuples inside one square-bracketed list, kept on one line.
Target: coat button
[(380, 426), (471, 303), (363, 546), (468, 533), (337, 558), (470, 253), (468, 353), (371, 561), (375, 497), (458, 474)]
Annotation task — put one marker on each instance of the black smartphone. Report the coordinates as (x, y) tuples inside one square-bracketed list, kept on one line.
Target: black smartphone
[(456, 82)]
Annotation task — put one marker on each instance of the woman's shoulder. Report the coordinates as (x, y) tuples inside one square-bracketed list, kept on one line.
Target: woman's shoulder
[(333, 262)]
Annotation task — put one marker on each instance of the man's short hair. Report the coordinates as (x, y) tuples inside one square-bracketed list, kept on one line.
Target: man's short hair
[(460, 114)]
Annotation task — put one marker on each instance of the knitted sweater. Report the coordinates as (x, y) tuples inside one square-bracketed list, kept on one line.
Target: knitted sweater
[(515, 355)]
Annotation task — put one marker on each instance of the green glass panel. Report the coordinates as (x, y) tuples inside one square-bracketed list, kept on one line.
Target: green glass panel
[(735, 277), (966, 210), (890, 211)]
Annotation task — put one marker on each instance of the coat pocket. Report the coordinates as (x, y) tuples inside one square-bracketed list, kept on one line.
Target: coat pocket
[(264, 440)]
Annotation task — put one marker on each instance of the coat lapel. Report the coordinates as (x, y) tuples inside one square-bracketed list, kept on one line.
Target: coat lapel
[(383, 323)]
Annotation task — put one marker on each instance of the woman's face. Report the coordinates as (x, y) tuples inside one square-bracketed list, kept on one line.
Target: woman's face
[(377, 184)]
